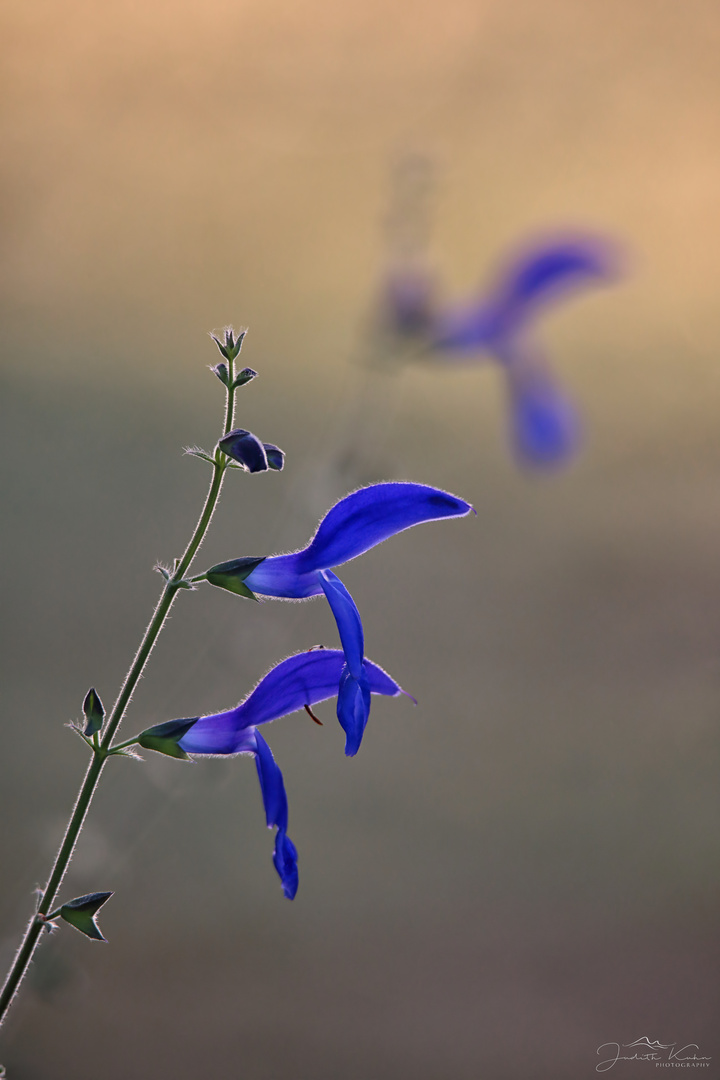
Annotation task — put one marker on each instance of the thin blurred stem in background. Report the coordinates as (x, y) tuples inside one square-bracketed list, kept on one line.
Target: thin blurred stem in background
[(390, 335)]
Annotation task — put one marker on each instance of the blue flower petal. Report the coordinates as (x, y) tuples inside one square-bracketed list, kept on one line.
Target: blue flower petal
[(542, 272), (275, 456), (373, 514), (303, 679), (219, 734), (285, 859), (545, 425), (552, 268), (285, 855), (271, 785), (353, 705), (245, 448), (353, 526), (283, 577), (347, 618), (353, 708)]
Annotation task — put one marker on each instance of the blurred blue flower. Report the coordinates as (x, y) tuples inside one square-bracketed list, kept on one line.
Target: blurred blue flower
[(544, 271), (545, 426), (300, 681), (353, 526)]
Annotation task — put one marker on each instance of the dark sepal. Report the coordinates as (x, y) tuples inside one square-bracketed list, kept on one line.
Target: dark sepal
[(81, 912), (244, 376), (221, 370), (94, 712), (244, 447), (164, 738), (275, 456), (231, 575)]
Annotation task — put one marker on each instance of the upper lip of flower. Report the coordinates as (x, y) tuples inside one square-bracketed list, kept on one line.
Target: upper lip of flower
[(302, 679), (541, 272), (350, 528)]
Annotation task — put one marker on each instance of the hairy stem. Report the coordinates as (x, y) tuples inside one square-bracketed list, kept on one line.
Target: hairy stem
[(102, 750)]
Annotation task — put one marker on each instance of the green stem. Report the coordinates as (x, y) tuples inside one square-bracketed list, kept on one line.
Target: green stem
[(116, 750), (102, 751)]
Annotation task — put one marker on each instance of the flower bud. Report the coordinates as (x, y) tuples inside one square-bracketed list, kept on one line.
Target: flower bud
[(245, 448), (94, 712), (81, 912), (231, 343)]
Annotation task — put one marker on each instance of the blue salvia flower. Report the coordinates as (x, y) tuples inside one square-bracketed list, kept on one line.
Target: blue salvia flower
[(300, 681), (353, 526), (545, 426)]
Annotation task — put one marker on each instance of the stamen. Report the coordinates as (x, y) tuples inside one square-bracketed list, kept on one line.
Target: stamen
[(312, 716)]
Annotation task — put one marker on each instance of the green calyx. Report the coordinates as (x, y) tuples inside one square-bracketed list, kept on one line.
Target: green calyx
[(81, 912), (94, 712), (231, 575), (164, 738)]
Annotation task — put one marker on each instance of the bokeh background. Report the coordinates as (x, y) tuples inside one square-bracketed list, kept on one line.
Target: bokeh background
[(525, 866)]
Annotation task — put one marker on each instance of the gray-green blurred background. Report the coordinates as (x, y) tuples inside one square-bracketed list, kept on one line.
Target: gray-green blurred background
[(525, 866)]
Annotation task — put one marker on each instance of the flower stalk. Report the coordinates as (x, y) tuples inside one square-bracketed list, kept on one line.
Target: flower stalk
[(102, 746), (354, 525)]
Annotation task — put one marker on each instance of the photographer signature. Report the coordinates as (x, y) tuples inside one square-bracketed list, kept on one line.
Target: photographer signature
[(645, 1050)]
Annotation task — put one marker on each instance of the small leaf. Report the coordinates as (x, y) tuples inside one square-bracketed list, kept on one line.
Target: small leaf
[(81, 912), (164, 738), (231, 575), (94, 712), (126, 751), (195, 451)]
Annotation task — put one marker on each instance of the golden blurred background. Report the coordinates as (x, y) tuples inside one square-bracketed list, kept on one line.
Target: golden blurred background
[(525, 867)]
